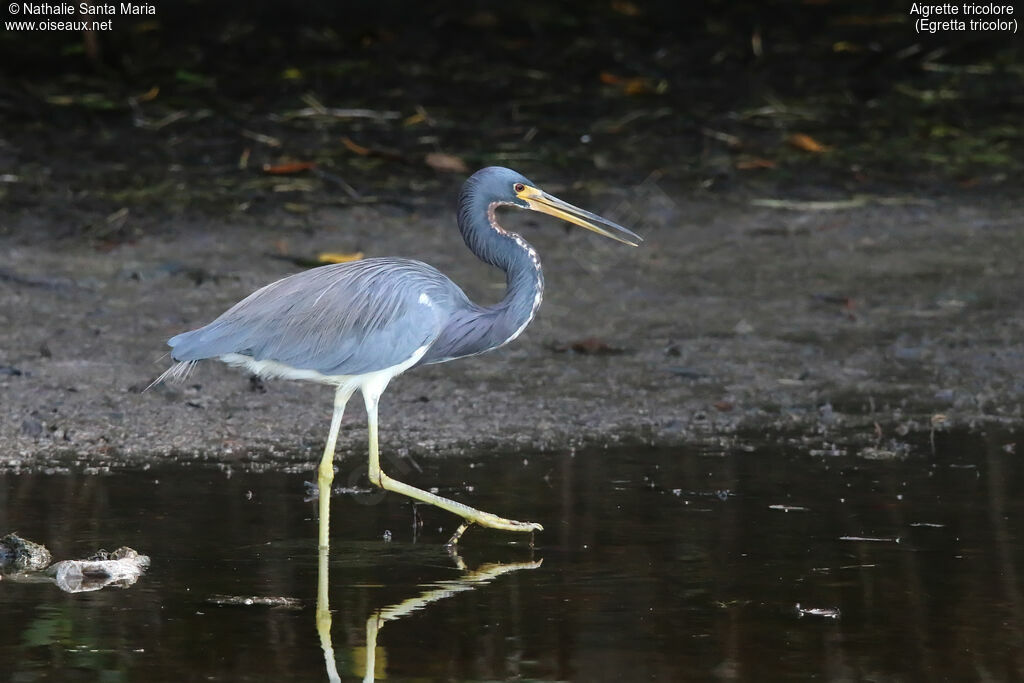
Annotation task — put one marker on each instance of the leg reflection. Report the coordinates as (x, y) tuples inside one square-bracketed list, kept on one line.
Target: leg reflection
[(323, 615), (469, 580)]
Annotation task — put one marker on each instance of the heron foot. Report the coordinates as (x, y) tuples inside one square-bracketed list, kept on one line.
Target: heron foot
[(493, 522), (470, 514)]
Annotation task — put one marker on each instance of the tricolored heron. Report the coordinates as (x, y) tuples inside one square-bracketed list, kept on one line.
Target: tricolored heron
[(358, 325)]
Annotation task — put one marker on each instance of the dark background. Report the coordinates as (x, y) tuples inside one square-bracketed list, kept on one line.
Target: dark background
[(707, 95)]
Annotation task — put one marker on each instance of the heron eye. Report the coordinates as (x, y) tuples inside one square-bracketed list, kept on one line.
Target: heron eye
[(519, 187)]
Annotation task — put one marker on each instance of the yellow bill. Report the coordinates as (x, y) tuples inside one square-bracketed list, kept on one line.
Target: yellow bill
[(553, 206)]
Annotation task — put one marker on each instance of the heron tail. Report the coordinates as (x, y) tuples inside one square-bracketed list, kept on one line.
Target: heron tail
[(178, 372)]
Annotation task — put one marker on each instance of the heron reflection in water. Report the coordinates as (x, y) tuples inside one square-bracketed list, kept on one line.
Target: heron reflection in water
[(358, 325), (467, 581)]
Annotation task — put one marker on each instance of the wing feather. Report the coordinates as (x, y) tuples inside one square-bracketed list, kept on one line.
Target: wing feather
[(341, 319)]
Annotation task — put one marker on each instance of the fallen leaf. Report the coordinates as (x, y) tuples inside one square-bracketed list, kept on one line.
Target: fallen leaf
[(371, 151), (288, 168), (301, 261), (446, 162), (723, 406), (807, 143), (354, 148), (642, 86), (846, 46), (636, 85), (149, 95), (626, 8), (418, 117), (753, 163), (339, 256)]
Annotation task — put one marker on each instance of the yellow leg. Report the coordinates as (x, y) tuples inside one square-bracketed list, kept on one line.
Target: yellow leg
[(371, 396), (326, 473)]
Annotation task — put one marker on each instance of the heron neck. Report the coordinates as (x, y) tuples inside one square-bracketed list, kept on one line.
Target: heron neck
[(511, 253)]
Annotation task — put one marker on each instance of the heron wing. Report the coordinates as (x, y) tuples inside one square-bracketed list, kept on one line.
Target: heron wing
[(342, 319)]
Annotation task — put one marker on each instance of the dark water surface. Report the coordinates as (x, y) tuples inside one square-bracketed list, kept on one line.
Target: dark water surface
[(655, 565)]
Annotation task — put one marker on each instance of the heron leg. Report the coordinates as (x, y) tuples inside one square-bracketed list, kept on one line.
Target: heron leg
[(458, 534), (325, 476), (371, 395)]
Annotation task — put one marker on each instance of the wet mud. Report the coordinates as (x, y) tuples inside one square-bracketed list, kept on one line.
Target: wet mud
[(850, 327)]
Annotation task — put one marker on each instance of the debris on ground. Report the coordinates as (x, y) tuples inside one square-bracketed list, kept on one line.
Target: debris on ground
[(25, 561), (254, 600), (17, 554)]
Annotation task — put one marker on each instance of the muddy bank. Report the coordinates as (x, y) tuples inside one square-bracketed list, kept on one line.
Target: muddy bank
[(731, 321), (830, 201)]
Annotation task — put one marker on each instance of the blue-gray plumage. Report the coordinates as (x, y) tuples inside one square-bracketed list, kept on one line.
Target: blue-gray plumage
[(343, 319), (357, 325)]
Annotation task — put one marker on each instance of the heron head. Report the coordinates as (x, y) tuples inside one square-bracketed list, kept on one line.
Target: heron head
[(509, 187)]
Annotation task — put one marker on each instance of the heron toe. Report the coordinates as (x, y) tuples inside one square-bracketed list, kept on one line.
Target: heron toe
[(494, 522)]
